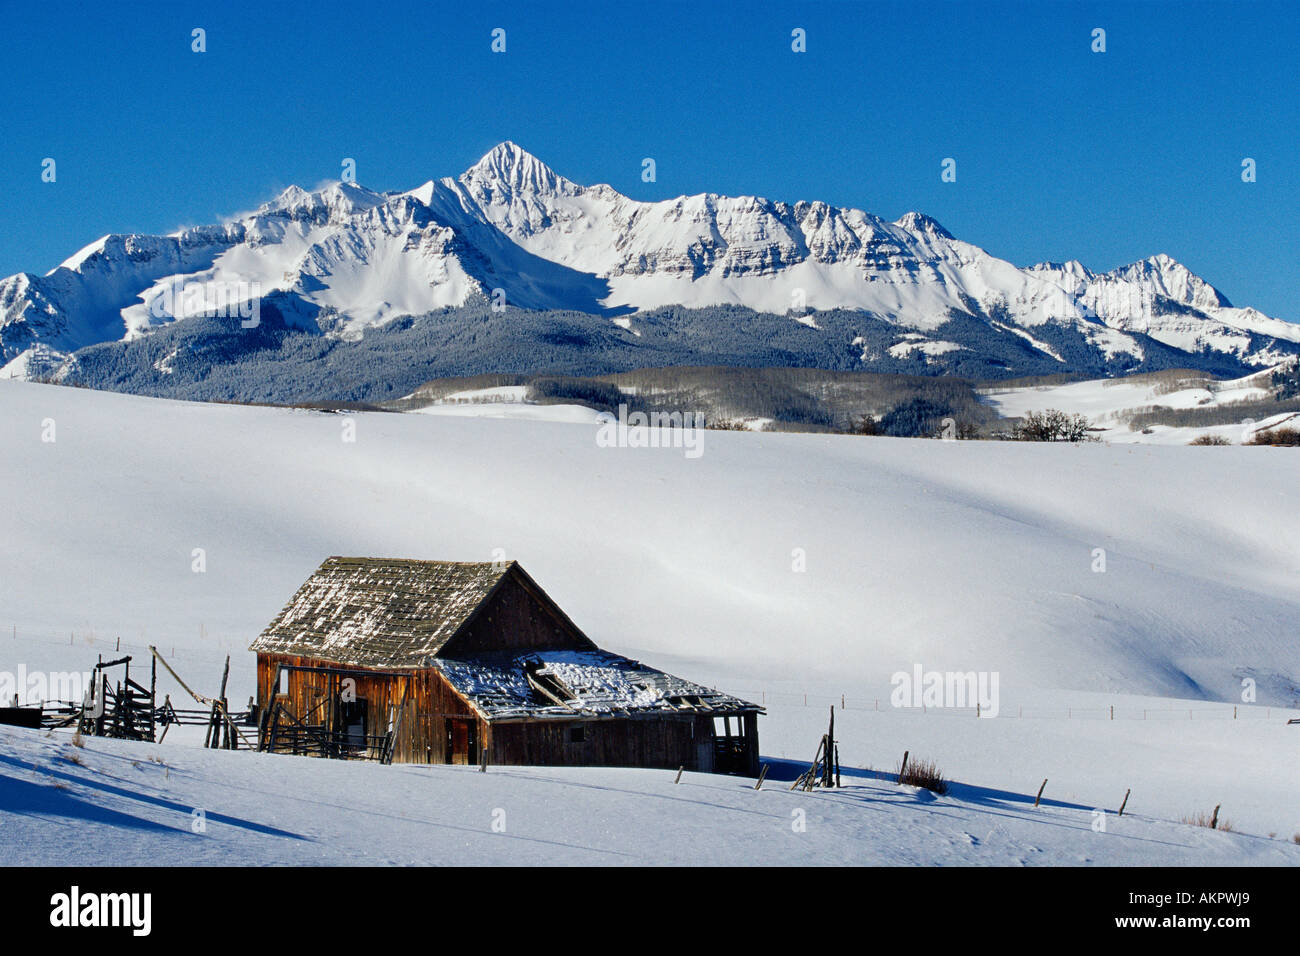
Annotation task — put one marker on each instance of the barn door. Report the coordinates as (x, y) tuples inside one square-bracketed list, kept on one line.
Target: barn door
[(353, 717), (462, 745)]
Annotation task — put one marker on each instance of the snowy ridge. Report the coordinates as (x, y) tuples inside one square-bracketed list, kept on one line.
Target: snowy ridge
[(355, 259)]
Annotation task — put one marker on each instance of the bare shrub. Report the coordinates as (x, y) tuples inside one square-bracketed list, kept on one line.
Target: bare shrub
[(1202, 819), (923, 773), (1276, 436), (1209, 440)]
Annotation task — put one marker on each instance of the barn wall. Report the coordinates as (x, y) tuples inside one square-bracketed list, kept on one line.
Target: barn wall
[(664, 742), (515, 618), (424, 731), (421, 723), (751, 740), (667, 741)]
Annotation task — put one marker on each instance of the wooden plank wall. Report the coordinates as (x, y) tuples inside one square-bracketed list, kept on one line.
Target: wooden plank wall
[(423, 736), (666, 742), (422, 730), (751, 741)]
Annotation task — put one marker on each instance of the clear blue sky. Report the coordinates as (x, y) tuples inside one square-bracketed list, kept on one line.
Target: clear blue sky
[(1062, 153)]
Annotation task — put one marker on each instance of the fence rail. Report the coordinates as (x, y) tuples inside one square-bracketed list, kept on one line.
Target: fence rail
[(64, 713)]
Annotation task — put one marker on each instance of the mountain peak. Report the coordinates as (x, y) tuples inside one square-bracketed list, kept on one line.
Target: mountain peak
[(1072, 268), (513, 168), (919, 222), (1166, 275), (335, 200), (1165, 262), (1161, 264)]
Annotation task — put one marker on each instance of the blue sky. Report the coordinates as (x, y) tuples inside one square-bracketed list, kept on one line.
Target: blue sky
[(1061, 152)]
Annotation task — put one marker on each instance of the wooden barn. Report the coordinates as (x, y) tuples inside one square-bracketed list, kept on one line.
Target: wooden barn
[(467, 663)]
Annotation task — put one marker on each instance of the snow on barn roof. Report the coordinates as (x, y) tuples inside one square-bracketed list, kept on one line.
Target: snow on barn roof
[(578, 684), (380, 612), (397, 614)]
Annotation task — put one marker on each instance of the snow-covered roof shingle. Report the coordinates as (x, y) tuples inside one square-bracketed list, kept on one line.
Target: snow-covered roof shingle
[(578, 684), (380, 612)]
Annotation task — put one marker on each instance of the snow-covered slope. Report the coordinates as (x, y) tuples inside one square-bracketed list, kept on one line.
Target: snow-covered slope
[(260, 809), (355, 258), (961, 555), (1108, 405), (957, 556)]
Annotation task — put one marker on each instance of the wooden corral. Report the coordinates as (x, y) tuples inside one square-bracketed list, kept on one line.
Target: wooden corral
[(466, 663), (125, 710)]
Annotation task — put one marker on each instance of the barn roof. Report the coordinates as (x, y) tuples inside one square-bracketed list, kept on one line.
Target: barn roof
[(380, 612), (578, 684)]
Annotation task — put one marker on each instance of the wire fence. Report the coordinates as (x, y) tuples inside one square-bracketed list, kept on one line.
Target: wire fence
[(200, 657), (199, 644), (1201, 711)]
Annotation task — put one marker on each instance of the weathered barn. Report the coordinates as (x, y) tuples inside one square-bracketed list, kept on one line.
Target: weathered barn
[(449, 662)]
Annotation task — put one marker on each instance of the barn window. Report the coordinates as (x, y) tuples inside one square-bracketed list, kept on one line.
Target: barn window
[(577, 734), (282, 681)]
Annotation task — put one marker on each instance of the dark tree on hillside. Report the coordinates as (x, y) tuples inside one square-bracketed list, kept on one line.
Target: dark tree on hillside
[(1052, 425), (915, 418)]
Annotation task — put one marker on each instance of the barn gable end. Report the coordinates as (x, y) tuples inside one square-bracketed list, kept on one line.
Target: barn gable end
[(516, 616)]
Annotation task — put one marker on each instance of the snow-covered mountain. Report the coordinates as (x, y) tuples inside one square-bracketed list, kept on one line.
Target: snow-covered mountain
[(347, 259)]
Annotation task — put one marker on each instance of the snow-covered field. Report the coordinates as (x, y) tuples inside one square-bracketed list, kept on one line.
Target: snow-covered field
[(1106, 402), (63, 804), (506, 401), (958, 556), (525, 411)]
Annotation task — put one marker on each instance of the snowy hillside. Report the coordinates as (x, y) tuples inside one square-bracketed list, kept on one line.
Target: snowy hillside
[(951, 555), (976, 554), (344, 259), (260, 808), (1109, 404)]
